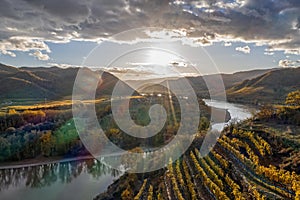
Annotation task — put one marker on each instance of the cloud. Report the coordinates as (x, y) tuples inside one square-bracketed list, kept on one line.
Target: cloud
[(22, 44), (39, 55), (62, 65), (145, 70), (132, 71), (245, 49), (292, 51), (269, 22), (269, 53), (5, 52), (227, 44), (289, 63)]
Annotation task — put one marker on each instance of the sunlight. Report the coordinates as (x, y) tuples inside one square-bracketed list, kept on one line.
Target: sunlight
[(160, 57)]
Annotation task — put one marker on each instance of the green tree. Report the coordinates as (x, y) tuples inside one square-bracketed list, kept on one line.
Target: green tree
[(4, 149), (203, 124)]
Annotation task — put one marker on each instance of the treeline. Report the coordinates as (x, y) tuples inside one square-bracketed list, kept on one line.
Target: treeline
[(289, 113), (24, 144), (281, 115), (29, 133), (32, 118)]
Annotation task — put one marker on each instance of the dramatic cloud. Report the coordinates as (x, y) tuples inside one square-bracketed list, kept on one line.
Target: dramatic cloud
[(271, 22), (289, 63), (245, 49)]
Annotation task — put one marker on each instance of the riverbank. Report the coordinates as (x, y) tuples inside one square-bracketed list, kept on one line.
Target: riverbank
[(41, 160), (232, 111)]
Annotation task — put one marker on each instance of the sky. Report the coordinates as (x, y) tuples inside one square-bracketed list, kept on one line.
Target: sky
[(152, 38)]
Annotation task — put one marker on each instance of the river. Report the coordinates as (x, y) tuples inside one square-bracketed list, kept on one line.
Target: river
[(237, 112), (77, 180)]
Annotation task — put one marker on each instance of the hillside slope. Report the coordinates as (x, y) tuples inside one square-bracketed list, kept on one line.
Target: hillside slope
[(51, 83), (199, 84), (271, 87)]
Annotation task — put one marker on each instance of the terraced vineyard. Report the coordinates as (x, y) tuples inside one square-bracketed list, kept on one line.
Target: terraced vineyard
[(235, 169)]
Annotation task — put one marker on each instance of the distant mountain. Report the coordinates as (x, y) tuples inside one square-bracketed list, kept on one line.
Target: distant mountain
[(237, 77), (199, 84), (7, 69), (271, 87), (52, 83), (251, 87)]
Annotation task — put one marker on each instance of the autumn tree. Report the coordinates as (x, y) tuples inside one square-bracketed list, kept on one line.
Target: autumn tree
[(34, 116), (266, 112), (47, 143), (293, 98), (127, 194)]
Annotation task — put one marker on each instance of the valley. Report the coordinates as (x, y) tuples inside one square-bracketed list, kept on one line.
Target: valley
[(256, 156), (150, 100)]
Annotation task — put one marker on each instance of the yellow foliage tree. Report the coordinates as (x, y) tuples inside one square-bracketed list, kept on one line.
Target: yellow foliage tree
[(127, 194), (293, 98)]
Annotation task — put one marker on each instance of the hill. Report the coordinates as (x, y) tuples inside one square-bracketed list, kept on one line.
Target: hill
[(252, 87), (271, 87), (51, 83), (237, 77), (247, 87), (199, 83), (254, 159)]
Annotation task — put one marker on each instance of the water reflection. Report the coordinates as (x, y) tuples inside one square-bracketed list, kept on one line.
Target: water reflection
[(47, 176)]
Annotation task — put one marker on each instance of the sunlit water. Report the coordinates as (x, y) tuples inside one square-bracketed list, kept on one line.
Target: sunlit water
[(237, 112)]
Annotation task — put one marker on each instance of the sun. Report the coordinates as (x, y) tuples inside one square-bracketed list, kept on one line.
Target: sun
[(160, 57)]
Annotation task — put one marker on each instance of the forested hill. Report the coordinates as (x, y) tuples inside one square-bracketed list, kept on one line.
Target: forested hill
[(52, 83)]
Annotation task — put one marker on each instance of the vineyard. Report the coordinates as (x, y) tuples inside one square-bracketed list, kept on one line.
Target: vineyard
[(234, 169)]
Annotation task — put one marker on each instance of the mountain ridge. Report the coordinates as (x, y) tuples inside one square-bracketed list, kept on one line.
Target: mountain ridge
[(272, 86), (258, 86), (52, 83)]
